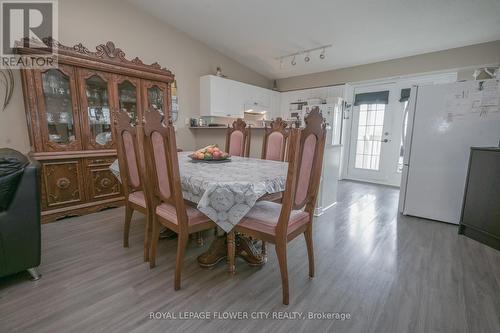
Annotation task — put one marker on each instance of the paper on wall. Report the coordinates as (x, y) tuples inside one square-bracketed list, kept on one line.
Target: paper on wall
[(458, 103), (487, 98)]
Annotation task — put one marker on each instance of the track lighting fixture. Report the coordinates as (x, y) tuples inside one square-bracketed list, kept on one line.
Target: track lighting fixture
[(306, 53)]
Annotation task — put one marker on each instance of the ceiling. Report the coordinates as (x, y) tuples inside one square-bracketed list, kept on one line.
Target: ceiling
[(256, 32)]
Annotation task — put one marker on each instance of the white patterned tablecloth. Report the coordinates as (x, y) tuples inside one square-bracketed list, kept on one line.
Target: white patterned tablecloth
[(226, 192)]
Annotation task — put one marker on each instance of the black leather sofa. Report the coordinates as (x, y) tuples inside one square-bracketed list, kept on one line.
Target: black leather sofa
[(19, 213)]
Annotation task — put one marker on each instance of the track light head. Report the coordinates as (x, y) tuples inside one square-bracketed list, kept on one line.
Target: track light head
[(293, 61), (307, 58), (322, 55)]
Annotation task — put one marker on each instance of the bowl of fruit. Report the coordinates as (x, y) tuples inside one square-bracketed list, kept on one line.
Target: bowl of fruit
[(210, 154)]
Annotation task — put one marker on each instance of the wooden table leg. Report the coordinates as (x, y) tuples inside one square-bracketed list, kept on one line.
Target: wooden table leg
[(231, 246)]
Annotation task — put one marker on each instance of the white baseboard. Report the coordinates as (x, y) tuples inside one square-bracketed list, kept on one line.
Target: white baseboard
[(318, 211)]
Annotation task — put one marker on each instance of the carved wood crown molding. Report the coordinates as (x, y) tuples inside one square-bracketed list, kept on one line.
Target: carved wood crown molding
[(104, 52)]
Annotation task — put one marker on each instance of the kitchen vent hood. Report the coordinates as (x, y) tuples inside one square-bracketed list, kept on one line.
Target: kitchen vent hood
[(255, 108)]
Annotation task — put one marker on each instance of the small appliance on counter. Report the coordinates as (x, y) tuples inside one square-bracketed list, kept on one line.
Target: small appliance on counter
[(193, 122)]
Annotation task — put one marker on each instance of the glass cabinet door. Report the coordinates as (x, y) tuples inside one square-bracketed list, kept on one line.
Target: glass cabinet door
[(157, 97), (95, 100), (59, 121), (174, 98), (128, 97)]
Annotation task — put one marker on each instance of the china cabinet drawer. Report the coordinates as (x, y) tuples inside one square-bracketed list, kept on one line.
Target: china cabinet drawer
[(62, 183), (100, 161), (101, 183)]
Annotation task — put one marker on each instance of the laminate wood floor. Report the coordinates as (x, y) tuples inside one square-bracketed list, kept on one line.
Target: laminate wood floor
[(390, 273)]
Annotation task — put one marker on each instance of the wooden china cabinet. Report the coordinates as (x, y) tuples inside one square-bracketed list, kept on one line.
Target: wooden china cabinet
[(69, 114)]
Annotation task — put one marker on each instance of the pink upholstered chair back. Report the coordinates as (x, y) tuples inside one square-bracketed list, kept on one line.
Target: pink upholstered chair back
[(238, 139), (305, 169), (160, 164), (128, 152), (306, 148), (310, 160), (275, 139), (237, 143), (162, 161)]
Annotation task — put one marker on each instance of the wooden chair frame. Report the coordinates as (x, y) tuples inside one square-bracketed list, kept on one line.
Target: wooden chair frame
[(239, 125), (153, 123), (123, 124), (280, 126), (314, 126)]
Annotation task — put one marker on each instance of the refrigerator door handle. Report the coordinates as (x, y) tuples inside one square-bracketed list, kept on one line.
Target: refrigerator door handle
[(403, 127)]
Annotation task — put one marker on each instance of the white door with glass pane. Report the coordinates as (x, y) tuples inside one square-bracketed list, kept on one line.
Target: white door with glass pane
[(374, 144)]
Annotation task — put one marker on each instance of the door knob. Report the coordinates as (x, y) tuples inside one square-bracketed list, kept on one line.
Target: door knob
[(385, 140)]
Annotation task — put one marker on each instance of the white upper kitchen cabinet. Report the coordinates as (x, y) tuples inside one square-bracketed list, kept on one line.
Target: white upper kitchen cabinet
[(237, 96), (216, 97), (222, 97)]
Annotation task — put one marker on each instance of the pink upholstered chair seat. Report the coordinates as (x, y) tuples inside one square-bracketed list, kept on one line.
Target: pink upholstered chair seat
[(264, 217), (138, 198), (169, 213)]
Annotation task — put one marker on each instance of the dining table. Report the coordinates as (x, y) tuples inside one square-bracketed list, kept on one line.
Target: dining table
[(226, 191)]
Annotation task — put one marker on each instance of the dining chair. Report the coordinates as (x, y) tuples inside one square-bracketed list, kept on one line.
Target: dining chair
[(132, 178), (238, 139), (274, 149), (281, 223), (275, 139), (168, 205)]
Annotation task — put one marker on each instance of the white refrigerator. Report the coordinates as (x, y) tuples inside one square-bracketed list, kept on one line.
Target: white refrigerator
[(444, 121)]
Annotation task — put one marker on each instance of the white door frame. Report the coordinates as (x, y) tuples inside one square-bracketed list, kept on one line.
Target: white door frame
[(387, 142), (399, 83)]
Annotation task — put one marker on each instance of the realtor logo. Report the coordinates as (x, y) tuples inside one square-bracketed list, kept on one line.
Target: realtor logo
[(31, 26)]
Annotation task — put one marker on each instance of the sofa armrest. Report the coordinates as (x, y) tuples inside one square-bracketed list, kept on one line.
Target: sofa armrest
[(20, 237)]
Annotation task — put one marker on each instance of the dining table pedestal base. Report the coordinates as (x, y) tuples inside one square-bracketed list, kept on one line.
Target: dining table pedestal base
[(241, 246), (245, 249)]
